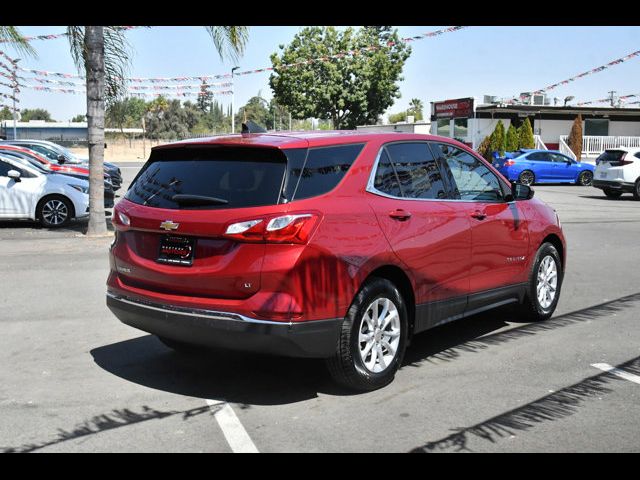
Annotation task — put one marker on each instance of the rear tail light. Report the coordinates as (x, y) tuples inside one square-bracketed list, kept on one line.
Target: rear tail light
[(292, 228), (508, 163)]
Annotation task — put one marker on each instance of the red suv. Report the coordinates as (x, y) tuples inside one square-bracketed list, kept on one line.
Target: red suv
[(336, 245)]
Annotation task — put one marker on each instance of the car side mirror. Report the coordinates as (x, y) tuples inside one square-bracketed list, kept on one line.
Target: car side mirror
[(61, 159), (14, 174), (521, 192)]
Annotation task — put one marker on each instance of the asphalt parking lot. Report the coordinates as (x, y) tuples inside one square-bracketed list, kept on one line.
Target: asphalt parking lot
[(74, 379)]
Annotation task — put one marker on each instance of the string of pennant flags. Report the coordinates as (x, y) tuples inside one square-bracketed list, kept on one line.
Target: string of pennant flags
[(348, 53), (60, 35), (608, 99), (612, 63)]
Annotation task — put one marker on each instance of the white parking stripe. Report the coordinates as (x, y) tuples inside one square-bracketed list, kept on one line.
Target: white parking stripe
[(235, 434), (617, 372)]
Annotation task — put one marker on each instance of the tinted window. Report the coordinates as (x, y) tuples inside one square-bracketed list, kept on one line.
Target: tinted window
[(4, 168), (386, 179), (417, 170), (539, 157), (323, 169), (610, 156), (244, 177), (471, 178), (556, 157), (43, 151)]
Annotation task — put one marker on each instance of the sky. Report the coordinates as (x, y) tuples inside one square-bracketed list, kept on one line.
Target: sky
[(475, 61)]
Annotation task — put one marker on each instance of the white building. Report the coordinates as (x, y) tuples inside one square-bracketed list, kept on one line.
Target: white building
[(602, 127)]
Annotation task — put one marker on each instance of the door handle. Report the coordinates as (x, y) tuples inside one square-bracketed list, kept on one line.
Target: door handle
[(479, 215), (400, 214)]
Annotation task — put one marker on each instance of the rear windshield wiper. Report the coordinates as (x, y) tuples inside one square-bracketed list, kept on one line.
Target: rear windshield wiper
[(186, 199)]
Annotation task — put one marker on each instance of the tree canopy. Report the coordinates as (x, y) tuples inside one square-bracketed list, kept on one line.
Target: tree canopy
[(350, 91)]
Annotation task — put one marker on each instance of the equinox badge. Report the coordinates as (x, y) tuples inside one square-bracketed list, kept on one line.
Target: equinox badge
[(169, 225)]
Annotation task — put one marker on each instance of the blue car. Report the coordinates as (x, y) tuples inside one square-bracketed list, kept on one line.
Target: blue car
[(530, 166)]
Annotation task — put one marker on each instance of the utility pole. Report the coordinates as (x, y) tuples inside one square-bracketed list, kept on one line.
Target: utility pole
[(15, 92), (612, 97), (233, 93)]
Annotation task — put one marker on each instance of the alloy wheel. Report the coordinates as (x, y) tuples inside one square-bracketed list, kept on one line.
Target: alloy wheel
[(379, 335), (586, 178), (55, 212), (526, 178), (547, 281)]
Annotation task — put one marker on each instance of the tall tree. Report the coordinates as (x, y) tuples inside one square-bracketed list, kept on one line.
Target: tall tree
[(36, 114), (575, 137), (415, 108), (512, 139), (103, 54), (350, 91), (498, 139), (525, 135)]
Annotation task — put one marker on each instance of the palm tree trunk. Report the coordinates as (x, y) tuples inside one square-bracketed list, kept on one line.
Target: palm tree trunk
[(94, 44)]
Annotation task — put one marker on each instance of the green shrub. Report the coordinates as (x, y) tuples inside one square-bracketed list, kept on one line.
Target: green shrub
[(525, 135)]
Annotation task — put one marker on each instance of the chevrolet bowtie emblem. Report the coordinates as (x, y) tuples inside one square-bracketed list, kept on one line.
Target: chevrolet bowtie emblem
[(169, 225)]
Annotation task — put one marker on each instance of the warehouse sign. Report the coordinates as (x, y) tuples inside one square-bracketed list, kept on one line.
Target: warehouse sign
[(459, 108)]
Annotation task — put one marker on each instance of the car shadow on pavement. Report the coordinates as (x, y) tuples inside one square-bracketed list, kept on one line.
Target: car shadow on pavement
[(74, 227), (251, 379), (255, 379), (604, 197)]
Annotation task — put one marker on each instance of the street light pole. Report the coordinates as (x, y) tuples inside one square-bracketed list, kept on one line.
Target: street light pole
[(233, 94)]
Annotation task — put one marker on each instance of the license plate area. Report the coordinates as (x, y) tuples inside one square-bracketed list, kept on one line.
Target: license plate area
[(603, 174), (176, 250)]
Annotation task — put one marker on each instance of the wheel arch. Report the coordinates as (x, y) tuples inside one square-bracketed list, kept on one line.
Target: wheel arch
[(399, 278), (554, 240), (48, 196)]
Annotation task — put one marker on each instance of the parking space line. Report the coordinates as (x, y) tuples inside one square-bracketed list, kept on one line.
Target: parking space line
[(235, 434), (617, 372)]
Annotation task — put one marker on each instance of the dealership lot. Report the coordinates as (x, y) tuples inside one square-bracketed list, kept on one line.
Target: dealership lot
[(76, 379)]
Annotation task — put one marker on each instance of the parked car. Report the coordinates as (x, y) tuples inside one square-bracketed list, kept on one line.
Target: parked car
[(336, 245), (30, 192), (618, 172), (62, 156), (28, 157), (529, 166)]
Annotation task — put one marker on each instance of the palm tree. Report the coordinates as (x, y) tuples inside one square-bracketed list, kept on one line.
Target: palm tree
[(103, 54), (13, 36), (416, 106)]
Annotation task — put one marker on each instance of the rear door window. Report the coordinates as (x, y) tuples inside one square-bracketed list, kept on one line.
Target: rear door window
[(417, 170), (237, 177), (386, 180)]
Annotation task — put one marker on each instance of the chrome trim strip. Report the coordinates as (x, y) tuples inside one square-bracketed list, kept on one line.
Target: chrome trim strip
[(194, 312)]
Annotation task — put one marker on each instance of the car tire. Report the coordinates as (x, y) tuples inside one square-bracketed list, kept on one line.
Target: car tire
[(181, 347), (526, 177), (55, 211), (585, 178), (612, 193), (360, 363), (545, 278), (636, 190)]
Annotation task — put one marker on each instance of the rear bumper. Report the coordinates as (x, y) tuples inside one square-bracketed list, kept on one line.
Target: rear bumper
[(314, 339), (614, 185)]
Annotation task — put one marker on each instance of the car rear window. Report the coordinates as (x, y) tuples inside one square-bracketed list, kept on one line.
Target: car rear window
[(238, 176), (242, 177), (610, 156)]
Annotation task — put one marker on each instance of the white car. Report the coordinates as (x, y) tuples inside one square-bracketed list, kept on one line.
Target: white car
[(618, 171), (31, 192)]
